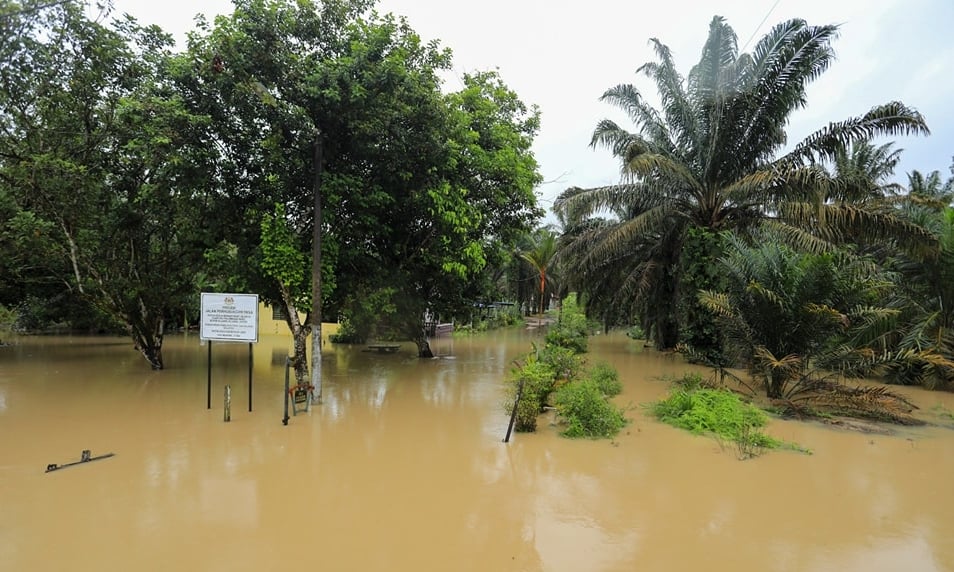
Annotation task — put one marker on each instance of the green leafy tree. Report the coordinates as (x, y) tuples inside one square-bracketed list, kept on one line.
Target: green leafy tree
[(284, 261), (100, 152), (408, 174)]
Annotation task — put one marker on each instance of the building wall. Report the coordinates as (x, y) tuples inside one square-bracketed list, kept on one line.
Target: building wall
[(272, 324)]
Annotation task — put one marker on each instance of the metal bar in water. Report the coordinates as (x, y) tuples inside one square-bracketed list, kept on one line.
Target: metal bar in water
[(85, 457)]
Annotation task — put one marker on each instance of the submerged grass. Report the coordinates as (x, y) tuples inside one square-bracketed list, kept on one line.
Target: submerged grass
[(720, 413)]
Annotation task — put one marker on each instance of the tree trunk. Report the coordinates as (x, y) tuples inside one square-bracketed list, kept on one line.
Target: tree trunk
[(149, 344), (153, 354), (299, 358), (423, 346), (773, 385), (146, 330), (667, 332), (543, 287)]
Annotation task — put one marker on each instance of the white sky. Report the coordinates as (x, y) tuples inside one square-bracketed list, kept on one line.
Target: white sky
[(562, 55)]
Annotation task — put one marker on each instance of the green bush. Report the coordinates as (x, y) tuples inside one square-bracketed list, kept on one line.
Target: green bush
[(708, 411), (720, 413), (571, 329), (607, 379), (8, 318), (636, 333), (538, 382), (565, 363), (347, 334), (586, 411)]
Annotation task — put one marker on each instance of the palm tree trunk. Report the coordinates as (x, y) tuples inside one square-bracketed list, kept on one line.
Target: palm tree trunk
[(543, 285)]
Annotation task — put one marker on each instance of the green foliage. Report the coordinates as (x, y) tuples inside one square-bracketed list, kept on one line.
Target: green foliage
[(540, 256), (347, 334), (538, 381), (606, 378), (553, 376), (571, 329), (636, 333), (371, 315), (565, 363), (586, 411), (787, 315), (142, 175), (918, 341), (112, 171), (701, 271), (501, 318), (717, 412), (715, 157), (8, 318), (690, 380), (283, 259)]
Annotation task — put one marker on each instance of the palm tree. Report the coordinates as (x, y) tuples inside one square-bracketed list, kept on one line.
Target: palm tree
[(863, 172), (927, 196), (919, 344), (780, 310), (795, 320), (541, 258), (711, 158)]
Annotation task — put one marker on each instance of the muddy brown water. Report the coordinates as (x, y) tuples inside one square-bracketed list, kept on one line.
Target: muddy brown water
[(402, 468)]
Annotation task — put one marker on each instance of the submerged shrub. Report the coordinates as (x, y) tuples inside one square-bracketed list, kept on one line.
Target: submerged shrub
[(718, 412), (538, 382), (607, 379), (708, 411), (565, 362), (586, 411), (636, 333), (8, 318)]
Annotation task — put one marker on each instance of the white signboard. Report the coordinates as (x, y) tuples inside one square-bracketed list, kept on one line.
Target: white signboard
[(229, 317)]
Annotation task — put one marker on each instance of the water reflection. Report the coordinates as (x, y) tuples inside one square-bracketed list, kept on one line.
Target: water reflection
[(402, 468)]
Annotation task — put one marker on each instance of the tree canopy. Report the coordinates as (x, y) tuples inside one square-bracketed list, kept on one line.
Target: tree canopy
[(715, 157), (139, 175)]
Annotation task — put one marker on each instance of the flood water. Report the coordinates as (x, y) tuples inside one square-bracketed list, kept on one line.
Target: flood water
[(403, 468)]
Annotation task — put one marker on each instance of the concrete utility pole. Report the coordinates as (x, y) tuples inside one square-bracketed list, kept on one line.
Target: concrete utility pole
[(316, 277)]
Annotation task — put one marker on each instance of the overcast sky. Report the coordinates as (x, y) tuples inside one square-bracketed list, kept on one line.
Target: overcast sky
[(563, 55)]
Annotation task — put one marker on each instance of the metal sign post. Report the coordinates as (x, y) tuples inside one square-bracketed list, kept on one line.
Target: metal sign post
[(229, 318)]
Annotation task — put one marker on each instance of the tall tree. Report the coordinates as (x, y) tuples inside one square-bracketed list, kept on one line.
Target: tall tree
[(711, 157), (407, 173), (97, 145)]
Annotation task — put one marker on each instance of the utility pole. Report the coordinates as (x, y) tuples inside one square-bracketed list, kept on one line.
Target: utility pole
[(316, 276)]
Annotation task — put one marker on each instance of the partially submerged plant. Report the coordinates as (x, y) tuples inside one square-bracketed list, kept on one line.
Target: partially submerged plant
[(586, 411), (719, 413)]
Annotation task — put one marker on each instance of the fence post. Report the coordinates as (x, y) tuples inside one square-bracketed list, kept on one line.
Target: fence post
[(228, 403), (287, 363)]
